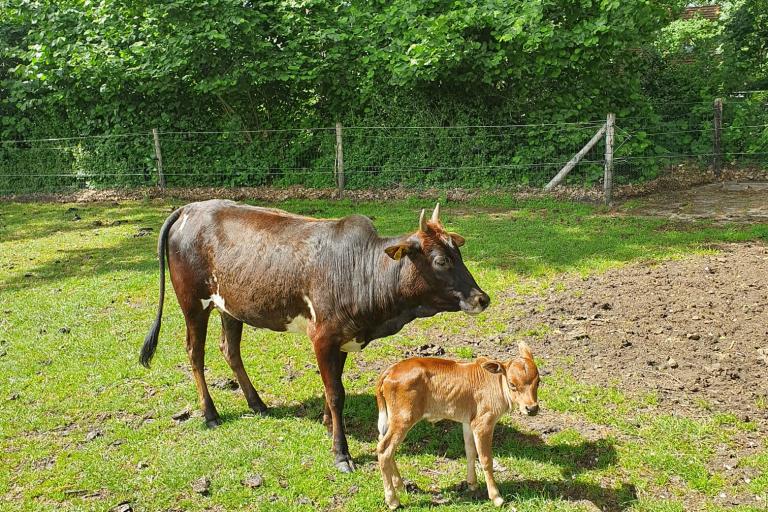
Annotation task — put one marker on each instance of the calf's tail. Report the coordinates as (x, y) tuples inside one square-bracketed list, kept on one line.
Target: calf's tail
[(381, 403), (150, 342)]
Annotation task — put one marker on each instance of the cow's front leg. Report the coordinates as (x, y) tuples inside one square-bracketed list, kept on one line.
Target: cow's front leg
[(327, 418), (330, 361)]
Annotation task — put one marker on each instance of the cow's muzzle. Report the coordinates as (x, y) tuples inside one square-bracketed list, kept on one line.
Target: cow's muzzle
[(476, 303)]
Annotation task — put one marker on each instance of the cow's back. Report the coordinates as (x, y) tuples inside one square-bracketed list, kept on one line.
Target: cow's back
[(266, 261)]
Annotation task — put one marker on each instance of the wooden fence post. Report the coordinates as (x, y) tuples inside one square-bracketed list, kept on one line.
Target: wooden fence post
[(608, 179), (568, 167), (159, 159), (339, 161), (717, 150)]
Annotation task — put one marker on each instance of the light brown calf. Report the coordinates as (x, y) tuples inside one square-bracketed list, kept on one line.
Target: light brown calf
[(475, 394)]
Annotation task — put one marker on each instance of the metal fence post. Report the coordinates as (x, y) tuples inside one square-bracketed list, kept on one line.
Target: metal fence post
[(339, 168), (159, 159), (608, 179), (717, 150)]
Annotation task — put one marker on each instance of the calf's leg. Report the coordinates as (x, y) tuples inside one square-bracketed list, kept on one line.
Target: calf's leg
[(197, 325), (231, 334), (483, 435), (386, 453), (469, 448), (329, 362)]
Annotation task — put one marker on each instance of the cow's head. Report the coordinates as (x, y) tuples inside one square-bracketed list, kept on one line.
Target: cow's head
[(441, 280)]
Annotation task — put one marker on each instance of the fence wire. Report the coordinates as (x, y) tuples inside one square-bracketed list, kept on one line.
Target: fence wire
[(480, 156)]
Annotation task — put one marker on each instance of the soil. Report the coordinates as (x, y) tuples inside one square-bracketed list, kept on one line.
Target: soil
[(693, 330), (720, 202)]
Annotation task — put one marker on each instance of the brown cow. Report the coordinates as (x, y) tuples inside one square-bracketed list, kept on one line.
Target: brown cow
[(335, 280), (475, 394)]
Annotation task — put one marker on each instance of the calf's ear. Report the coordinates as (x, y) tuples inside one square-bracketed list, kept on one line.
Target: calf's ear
[(457, 239), (397, 251), (493, 366), (525, 350)]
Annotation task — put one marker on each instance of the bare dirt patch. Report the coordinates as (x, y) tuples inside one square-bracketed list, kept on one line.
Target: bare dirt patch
[(695, 331), (719, 202)]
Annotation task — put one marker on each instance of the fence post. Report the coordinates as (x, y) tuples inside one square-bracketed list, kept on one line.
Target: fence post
[(608, 179), (568, 167), (717, 155), (159, 159), (339, 161)]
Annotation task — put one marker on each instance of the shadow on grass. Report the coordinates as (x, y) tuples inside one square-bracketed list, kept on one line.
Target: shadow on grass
[(564, 238), (23, 222), (133, 252), (445, 439)]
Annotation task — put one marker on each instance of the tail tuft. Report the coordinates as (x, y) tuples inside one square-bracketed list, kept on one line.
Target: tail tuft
[(383, 421), (150, 344)]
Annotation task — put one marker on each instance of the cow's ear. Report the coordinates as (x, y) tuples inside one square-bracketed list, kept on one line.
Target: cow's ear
[(493, 366), (397, 251), (457, 239)]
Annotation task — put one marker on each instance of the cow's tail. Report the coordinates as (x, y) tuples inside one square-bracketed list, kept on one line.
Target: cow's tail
[(381, 403), (150, 342)]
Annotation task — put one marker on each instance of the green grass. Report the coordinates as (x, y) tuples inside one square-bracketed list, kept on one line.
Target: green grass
[(76, 299)]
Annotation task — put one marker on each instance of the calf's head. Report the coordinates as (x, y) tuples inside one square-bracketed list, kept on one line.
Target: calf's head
[(441, 279), (521, 376)]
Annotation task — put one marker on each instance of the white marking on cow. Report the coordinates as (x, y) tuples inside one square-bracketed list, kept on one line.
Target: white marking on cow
[(218, 302), (215, 281), (297, 325), (311, 308), (183, 221), (352, 346), (448, 240)]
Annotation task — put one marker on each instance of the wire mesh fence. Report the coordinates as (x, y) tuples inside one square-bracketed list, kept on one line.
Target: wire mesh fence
[(388, 156)]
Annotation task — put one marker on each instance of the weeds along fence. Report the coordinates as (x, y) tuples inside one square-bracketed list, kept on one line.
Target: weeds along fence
[(391, 156)]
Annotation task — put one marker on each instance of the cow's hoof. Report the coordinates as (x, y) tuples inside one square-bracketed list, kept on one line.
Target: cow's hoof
[(213, 423), (345, 465), (498, 501), (261, 411)]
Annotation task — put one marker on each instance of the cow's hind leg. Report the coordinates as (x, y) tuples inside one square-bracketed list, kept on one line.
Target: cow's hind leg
[(197, 325), (231, 334)]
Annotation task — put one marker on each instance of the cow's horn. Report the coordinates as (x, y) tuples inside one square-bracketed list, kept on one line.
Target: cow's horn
[(436, 213), (422, 222)]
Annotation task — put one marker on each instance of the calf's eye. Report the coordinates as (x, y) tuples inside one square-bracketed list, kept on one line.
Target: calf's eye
[(440, 261)]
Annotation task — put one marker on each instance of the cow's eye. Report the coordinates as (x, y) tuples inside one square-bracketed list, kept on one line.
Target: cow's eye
[(441, 261), (512, 387)]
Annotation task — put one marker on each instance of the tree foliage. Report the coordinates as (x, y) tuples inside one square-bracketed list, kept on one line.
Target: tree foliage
[(112, 66)]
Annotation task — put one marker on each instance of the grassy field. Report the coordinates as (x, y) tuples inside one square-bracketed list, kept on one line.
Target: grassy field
[(84, 427)]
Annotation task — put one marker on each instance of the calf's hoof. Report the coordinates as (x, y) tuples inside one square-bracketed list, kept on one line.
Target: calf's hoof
[(498, 501), (345, 464), (213, 422), (393, 504)]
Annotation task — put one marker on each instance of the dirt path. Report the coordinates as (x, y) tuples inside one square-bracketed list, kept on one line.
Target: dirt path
[(720, 202)]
